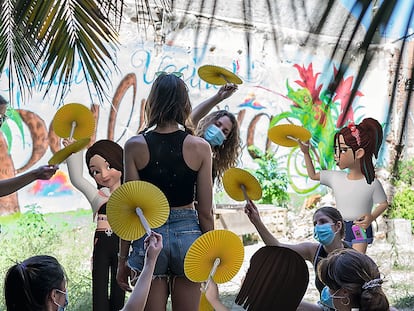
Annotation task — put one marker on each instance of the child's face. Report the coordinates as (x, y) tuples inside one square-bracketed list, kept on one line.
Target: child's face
[(103, 173), (344, 156)]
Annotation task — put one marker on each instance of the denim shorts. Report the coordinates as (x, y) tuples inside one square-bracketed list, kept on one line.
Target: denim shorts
[(350, 237), (178, 234)]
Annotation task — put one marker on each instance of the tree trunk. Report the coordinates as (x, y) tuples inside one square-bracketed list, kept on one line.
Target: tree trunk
[(9, 204)]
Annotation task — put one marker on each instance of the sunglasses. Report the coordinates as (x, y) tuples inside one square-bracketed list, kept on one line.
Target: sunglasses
[(178, 74)]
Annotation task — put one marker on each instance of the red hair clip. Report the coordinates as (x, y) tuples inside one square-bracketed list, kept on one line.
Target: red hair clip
[(354, 132)]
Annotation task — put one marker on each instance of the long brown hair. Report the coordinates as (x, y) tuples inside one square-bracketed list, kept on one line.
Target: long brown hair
[(366, 135), (168, 101)]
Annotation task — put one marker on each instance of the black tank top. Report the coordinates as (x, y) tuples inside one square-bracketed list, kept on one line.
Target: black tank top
[(167, 169)]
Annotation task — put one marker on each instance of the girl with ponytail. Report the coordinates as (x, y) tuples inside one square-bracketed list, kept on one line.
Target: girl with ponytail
[(356, 190)]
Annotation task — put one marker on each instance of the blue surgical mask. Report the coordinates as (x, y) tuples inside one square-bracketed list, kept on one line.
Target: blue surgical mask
[(62, 308), (214, 135), (324, 233), (327, 298)]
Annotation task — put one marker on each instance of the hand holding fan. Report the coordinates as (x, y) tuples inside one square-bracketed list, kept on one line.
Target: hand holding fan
[(136, 207), (218, 75), (241, 185), (288, 135), (217, 255), (64, 153)]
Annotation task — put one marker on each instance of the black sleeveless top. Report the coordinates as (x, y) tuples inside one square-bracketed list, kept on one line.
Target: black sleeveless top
[(167, 169)]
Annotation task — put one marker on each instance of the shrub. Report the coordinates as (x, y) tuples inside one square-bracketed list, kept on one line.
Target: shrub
[(405, 173), (272, 178), (402, 205)]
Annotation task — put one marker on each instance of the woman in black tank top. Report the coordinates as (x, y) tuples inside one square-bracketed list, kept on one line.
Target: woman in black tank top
[(178, 163), (329, 231)]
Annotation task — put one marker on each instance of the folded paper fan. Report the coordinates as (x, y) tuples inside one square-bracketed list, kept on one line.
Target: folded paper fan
[(239, 183), (64, 153), (218, 75), (122, 205), (204, 252), (204, 304), (73, 120), (288, 135)]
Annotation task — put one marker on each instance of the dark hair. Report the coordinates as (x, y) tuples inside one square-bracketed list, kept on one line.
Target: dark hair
[(110, 151), (28, 284), (333, 214), (276, 280), (358, 274), (226, 155), (168, 101), (366, 135)]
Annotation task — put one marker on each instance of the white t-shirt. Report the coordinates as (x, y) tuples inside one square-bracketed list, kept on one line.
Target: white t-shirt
[(354, 198)]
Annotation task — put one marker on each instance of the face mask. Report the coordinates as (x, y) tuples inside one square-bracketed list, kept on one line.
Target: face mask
[(62, 308), (327, 298), (214, 136), (324, 234)]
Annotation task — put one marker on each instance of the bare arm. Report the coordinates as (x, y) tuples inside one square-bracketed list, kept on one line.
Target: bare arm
[(310, 168), (132, 148), (306, 250), (204, 108), (130, 174), (8, 186), (365, 220), (90, 191), (138, 298), (212, 295), (205, 189)]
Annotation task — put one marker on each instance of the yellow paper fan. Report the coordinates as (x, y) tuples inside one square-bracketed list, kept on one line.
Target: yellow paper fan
[(204, 252), (204, 304), (239, 183), (218, 75), (122, 204), (64, 153), (74, 120), (288, 135)]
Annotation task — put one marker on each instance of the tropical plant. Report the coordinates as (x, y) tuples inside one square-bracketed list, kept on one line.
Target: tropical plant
[(272, 178), (60, 33)]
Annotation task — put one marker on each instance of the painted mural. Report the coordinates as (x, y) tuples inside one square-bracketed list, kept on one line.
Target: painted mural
[(267, 97)]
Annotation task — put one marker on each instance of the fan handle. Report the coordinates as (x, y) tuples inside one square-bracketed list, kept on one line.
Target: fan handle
[(143, 220), (297, 140), (212, 272), (243, 188), (72, 130)]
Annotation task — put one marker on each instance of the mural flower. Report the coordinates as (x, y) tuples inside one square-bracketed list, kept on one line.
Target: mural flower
[(319, 110)]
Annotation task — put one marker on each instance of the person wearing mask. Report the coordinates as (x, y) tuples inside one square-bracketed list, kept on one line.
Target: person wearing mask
[(352, 282), (356, 190), (36, 284), (328, 231), (220, 129)]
